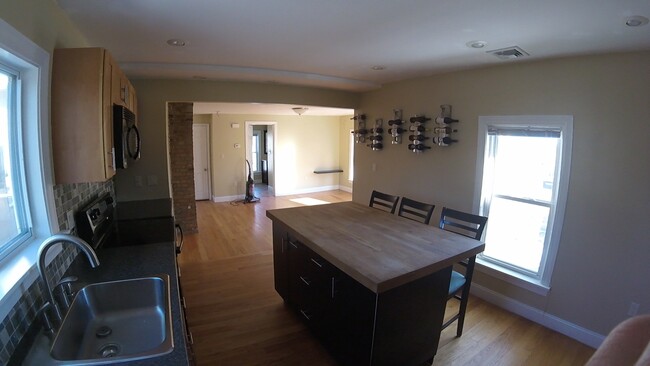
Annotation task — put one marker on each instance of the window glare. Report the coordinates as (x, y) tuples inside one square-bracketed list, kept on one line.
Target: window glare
[(8, 219), (516, 233), (519, 198), (525, 167)]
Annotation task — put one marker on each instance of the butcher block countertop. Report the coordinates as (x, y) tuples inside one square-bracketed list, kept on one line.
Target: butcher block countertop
[(378, 249)]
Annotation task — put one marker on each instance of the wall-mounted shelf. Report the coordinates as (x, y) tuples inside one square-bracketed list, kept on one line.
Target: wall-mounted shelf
[(327, 171)]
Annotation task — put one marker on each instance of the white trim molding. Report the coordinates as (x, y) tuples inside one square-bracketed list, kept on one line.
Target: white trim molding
[(538, 316)]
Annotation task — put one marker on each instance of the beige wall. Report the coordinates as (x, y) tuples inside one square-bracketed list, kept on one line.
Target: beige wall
[(43, 22), (303, 144), (152, 115), (602, 263), (345, 125)]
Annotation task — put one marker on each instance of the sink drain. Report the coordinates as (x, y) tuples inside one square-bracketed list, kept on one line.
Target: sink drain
[(109, 350), (103, 332)]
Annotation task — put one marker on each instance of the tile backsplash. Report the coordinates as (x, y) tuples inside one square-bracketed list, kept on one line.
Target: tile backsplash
[(24, 312)]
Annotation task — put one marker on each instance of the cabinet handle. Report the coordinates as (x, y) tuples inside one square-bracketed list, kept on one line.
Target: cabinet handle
[(294, 245), (282, 244), (332, 287), (190, 337), (183, 302), (306, 281), (305, 314), (317, 263)]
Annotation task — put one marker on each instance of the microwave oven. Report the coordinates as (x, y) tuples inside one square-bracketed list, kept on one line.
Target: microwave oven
[(126, 137)]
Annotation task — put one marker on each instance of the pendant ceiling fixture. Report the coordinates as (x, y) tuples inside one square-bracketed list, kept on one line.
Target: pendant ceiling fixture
[(300, 110)]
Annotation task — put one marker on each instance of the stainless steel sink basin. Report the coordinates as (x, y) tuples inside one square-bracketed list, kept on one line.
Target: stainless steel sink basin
[(117, 321)]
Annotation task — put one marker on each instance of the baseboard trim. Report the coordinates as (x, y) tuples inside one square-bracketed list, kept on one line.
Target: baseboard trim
[(227, 198), (273, 193), (308, 190), (553, 322), (345, 189)]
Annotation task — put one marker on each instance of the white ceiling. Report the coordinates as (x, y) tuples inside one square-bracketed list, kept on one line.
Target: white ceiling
[(335, 43)]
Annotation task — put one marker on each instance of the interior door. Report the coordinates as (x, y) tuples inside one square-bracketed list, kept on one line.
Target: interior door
[(201, 142)]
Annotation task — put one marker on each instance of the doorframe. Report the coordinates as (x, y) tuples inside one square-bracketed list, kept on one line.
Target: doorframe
[(248, 125), (209, 160)]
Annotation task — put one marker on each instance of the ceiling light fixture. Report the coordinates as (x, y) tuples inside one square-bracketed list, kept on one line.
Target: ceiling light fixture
[(476, 44), (378, 68), (176, 42), (300, 110), (636, 21)]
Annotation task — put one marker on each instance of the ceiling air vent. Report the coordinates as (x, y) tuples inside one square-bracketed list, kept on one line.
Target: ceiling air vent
[(509, 53)]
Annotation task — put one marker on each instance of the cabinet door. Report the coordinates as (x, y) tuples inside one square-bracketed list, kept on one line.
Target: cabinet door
[(280, 260), (107, 115), (350, 321), (133, 101), (82, 137)]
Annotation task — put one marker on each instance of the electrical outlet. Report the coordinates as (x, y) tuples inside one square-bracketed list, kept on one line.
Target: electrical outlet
[(634, 309), (70, 217)]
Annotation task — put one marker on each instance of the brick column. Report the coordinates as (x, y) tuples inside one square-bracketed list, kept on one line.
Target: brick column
[(181, 161)]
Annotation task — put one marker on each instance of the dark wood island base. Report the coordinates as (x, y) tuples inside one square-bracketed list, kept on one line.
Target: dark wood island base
[(371, 300)]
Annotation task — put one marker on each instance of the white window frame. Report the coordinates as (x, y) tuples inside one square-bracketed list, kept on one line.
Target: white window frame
[(33, 63), (540, 283)]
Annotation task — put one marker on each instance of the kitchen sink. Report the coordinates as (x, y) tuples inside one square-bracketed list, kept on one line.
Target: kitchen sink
[(117, 321)]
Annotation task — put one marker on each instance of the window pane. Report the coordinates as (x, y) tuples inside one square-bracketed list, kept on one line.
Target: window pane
[(515, 233), (525, 167), (10, 225)]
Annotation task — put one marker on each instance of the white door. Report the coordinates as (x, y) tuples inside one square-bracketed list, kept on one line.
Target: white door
[(201, 142), (270, 157)]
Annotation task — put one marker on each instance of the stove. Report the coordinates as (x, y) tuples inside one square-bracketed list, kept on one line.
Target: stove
[(96, 222)]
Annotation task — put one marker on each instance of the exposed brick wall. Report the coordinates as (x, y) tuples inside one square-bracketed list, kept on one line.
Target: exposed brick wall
[(181, 161)]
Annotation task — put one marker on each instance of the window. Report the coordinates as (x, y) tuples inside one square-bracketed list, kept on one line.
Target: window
[(255, 152), (28, 212), (13, 223), (523, 185)]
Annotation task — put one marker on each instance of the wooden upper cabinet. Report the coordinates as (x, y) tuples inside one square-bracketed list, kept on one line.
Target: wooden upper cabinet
[(84, 81)]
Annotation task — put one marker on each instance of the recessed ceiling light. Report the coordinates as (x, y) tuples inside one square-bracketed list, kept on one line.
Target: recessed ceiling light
[(636, 21), (476, 44), (176, 42), (378, 68)]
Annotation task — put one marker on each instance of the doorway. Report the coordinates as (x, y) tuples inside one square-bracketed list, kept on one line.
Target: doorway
[(201, 150), (260, 147)]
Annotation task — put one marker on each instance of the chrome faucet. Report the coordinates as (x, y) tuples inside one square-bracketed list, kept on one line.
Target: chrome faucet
[(42, 251)]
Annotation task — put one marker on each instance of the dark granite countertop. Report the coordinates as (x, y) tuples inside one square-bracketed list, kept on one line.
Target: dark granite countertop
[(132, 262)]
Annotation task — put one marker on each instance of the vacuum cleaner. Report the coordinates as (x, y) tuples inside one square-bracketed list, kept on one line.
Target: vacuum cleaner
[(250, 187)]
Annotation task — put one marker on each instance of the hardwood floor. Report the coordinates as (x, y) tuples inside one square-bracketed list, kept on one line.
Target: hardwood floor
[(237, 318)]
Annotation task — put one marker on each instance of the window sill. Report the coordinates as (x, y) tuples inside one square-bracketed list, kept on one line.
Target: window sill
[(520, 280), (18, 271)]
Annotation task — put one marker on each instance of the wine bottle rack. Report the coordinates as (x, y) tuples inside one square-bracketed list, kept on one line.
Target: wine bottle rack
[(417, 137), (443, 130), (396, 128), (376, 135), (361, 131)]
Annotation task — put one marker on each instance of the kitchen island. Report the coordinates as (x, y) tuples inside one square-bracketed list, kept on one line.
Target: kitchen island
[(370, 285)]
